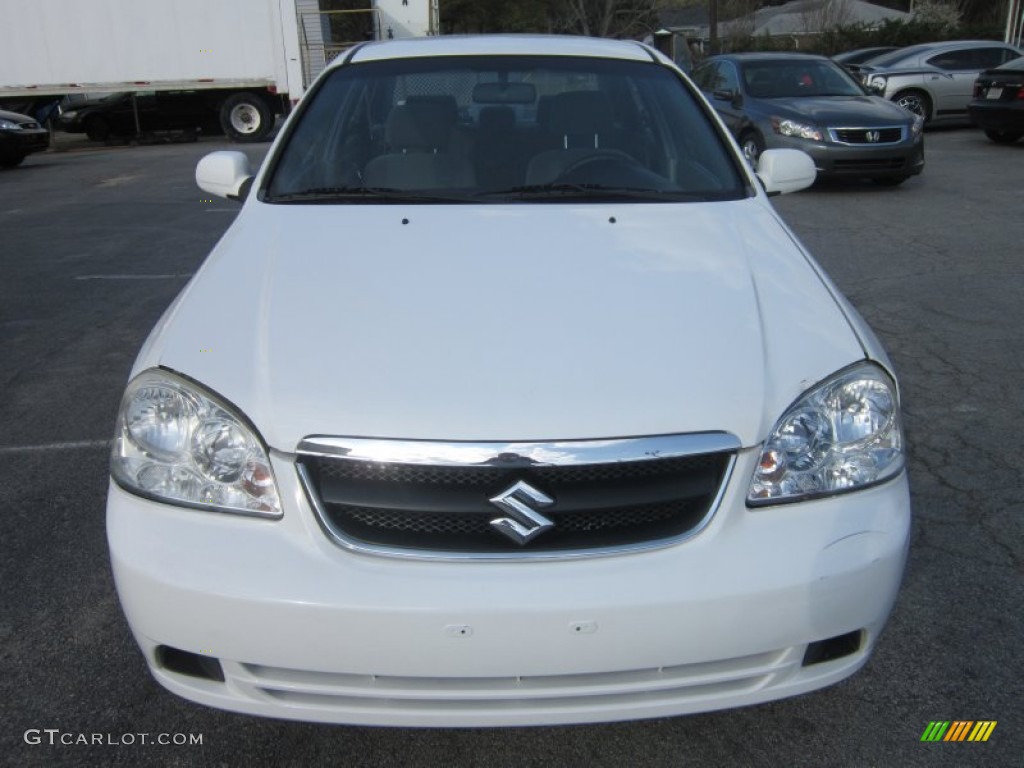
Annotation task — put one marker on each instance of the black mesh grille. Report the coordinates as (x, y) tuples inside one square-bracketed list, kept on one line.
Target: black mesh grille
[(880, 164), (448, 508)]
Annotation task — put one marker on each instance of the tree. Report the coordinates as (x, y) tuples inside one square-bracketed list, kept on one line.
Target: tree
[(611, 18)]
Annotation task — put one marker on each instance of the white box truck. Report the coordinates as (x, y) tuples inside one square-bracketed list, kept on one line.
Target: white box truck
[(243, 61)]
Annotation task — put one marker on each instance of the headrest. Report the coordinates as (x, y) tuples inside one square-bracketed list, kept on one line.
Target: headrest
[(422, 123)]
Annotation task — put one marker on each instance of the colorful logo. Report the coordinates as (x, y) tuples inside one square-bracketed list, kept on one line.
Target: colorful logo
[(958, 730)]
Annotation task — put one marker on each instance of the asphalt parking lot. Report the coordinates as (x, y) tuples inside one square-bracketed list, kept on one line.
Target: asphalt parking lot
[(98, 241)]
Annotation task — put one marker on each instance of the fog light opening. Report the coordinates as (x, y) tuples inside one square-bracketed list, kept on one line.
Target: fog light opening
[(833, 648), (191, 664)]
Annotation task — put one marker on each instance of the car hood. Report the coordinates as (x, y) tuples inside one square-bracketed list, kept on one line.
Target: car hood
[(15, 117), (838, 111), (511, 322)]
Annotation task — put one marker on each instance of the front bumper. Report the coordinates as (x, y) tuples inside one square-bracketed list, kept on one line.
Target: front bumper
[(842, 160), (997, 115), (305, 630), (23, 142)]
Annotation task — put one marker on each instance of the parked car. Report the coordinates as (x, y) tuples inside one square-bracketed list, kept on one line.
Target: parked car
[(861, 55), (934, 80), (566, 428), (998, 105), (20, 136), (115, 114), (805, 102)]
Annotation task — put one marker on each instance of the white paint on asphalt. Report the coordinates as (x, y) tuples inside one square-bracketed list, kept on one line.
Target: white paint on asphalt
[(73, 445)]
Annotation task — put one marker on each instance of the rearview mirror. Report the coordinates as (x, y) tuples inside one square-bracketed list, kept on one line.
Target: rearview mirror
[(785, 170), (225, 174)]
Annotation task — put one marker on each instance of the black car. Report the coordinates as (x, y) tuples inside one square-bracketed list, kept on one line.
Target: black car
[(998, 105), (115, 114), (799, 101), (20, 136), (861, 55)]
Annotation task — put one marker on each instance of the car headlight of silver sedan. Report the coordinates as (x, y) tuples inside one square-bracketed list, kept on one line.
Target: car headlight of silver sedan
[(786, 127), (843, 435), (179, 444), (7, 125)]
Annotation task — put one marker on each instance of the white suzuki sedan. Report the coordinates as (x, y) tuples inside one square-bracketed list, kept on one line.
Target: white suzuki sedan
[(507, 399)]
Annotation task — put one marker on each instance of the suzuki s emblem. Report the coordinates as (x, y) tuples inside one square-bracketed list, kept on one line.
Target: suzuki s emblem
[(873, 136), (524, 522)]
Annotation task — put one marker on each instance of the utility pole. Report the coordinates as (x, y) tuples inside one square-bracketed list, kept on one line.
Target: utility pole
[(713, 25), (1014, 22)]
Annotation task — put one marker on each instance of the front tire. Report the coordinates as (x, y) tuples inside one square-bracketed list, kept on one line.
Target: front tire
[(1003, 137), (752, 145), (246, 117), (914, 101), (11, 161), (97, 128)]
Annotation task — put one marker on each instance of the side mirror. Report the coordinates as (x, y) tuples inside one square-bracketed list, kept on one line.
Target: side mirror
[(785, 170), (225, 174), (731, 96)]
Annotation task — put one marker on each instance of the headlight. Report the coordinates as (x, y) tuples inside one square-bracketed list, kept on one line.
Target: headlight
[(878, 83), (842, 435), (793, 128), (7, 125), (69, 115), (179, 444)]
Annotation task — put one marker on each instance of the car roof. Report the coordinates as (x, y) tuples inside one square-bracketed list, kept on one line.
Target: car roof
[(500, 45), (913, 50), (768, 56)]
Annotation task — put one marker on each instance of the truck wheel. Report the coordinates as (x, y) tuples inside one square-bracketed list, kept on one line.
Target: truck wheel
[(97, 128), (916, 102), (246, 117)]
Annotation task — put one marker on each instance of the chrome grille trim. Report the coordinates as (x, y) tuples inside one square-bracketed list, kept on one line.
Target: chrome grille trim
[(512, 456), (518, 454), (835, 134)]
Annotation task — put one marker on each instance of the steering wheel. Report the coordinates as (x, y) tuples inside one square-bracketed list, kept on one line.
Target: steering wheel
[(608, 158)]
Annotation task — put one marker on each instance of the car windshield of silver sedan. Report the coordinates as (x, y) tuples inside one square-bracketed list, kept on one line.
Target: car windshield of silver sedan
[(789, 79), (502, 129)]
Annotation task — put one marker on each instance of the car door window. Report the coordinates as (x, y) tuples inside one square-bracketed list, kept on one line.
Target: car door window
[(954, 61), (704, 76), (994, 56)]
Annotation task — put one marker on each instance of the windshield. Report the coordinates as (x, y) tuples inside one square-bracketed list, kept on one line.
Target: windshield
[(798, 77), (503, 129)]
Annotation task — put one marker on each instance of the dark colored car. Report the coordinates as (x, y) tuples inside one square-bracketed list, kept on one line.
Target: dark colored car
[(799, 101), (20, 136), (115, 115), (998, 105), (861, 55)]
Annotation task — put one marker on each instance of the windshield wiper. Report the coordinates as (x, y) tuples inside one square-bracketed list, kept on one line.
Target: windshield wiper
[(354, 194), (589, 191)]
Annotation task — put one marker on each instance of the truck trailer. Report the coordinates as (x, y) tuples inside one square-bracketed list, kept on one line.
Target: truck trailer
[(246, 61)]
